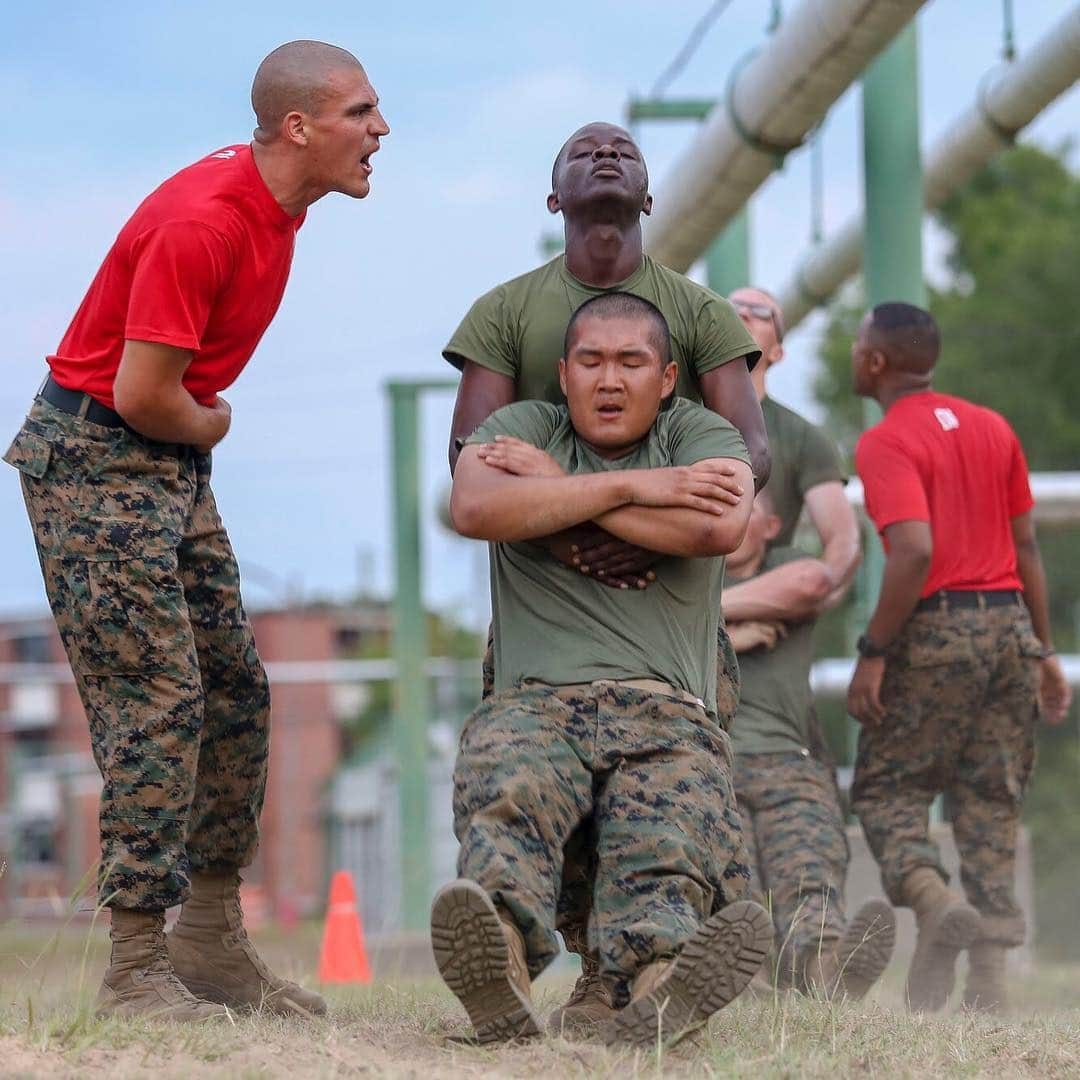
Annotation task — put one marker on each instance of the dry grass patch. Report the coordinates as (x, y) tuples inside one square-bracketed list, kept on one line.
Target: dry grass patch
[(400, 1029)]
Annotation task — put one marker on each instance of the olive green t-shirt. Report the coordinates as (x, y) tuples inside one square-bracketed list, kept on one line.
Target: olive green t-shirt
[(557, 625), (518, 328), (803, 455), (775, 704)]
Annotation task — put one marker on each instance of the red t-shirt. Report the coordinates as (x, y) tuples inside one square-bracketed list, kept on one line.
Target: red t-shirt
[(201, 265), (960, 467)]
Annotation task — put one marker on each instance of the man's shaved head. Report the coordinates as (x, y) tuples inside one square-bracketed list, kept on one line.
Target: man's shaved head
[(907, 335), (295, 77)]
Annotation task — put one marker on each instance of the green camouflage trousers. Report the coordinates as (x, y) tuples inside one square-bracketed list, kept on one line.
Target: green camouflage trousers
[(579, 856), (960, 695), (798, 849), (146, 594), (654, 776)]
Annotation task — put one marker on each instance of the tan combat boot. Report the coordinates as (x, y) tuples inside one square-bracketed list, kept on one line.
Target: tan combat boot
[(140, 980), (947, 925), (589, 1006), (670, 998), (213, 957), (480, 954), (985, 987), (866, 948)]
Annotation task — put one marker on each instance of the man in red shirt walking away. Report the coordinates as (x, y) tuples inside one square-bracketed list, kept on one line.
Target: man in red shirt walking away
[(115, 464), (955, 660)]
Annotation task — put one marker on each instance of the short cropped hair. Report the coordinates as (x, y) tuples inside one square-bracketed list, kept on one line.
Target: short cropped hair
[(908, 335), (623, 305)]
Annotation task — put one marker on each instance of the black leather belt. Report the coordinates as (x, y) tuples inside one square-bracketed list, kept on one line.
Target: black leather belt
[(75, 402), (953, 599)]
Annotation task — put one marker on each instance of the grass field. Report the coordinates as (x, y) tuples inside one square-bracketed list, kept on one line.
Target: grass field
[(399, 1028)]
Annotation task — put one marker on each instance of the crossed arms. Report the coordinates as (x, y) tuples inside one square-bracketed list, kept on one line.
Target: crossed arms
[(509, 490)]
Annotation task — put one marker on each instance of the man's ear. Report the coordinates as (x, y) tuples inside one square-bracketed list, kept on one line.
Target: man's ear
[(562, 375), (877, 362), (772, 527), (646, 208), (776, 354), (553, 203), (671, 376), (292, 128)]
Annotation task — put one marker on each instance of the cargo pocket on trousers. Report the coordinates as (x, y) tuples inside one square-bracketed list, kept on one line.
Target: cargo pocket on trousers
[(937, 654), (30, 454), (134, 620)]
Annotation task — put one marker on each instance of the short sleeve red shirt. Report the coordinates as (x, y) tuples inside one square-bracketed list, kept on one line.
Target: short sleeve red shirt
[(958, 466), (201, 264)]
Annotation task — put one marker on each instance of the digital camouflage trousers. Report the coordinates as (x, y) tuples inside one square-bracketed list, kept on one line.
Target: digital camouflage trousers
[(652, 774), (961, 699), (579, 858), (794, 830), (146, 594)]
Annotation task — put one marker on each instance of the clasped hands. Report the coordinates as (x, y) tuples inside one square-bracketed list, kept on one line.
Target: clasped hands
[(590, 548)]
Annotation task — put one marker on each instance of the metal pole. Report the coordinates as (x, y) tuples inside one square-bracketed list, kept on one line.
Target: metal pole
[(727, 260), (893, 174), (410, 652), (892, 243)]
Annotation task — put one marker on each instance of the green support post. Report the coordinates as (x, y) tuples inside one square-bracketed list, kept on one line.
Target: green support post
[(410, 649), (727, 260), (892, 244), (893, 175)]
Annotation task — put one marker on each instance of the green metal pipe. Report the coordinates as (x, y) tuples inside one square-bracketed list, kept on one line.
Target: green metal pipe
[(410, 649), (893, 174), (892, 242), (727, 259), (669, 108)]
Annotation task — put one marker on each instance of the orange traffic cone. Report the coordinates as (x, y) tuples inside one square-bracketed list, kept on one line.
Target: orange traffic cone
[(344, 958)]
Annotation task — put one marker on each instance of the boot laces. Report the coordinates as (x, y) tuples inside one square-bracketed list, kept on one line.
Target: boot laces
[(589, 985)]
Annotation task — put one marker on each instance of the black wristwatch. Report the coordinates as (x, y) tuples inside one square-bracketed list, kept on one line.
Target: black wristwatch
[(868, 649)]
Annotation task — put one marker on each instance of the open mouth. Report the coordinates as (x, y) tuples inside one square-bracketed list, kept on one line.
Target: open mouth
[(609, 411), (365, 164)]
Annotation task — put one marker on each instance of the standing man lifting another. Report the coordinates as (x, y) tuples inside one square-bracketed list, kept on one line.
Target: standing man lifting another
[(115, 463), (955, 659), (508, 347)]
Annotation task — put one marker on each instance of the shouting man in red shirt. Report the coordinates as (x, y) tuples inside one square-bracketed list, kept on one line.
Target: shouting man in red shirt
[(115, 463), (955, 659)]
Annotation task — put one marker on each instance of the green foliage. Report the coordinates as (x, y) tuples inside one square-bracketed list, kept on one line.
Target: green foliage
[(1007, 313)]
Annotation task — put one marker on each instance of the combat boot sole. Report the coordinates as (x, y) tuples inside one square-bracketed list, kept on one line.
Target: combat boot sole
[(866, 948), (714, 967), (939, 944), (473, 959)]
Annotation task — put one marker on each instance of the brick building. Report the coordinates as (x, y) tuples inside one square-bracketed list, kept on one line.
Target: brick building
[(49, 785)]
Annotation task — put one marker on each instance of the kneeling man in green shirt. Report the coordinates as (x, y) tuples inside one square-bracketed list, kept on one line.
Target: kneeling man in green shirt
[(790, 804), (605, 702)]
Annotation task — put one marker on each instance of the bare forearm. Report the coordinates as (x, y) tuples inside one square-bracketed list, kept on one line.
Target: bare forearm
[(902, 583), (797, 590), (527, 508), (671, 530), (840, 557), (1030, 568), (171, 414)]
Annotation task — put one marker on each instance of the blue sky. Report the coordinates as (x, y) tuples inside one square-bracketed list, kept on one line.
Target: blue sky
[(105, 101)]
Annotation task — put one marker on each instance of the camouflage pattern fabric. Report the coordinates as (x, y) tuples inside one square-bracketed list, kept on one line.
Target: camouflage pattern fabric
[(653, 774), (797, 845), (727, 675), (146, 594), (961, 702), (579, 858)]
